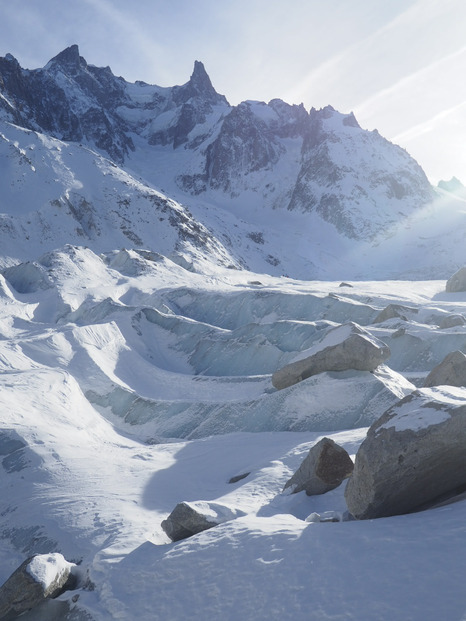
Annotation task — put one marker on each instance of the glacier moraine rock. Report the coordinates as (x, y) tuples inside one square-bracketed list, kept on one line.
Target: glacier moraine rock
[(451, 371), (36, 579), (451, 321), (190, 518), (347, 347), (457, 282), (325, 467), (413, 456), (393, 311)]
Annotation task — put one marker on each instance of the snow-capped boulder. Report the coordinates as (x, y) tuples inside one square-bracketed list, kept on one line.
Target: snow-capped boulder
[(393, 311), (457, 282), (343, 348), (38, 578), (325, 467), (190, 518), (451, 371), (412, 456)]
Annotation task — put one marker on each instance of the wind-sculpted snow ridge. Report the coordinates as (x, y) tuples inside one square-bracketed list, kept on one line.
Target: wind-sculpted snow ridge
[(129, 384)]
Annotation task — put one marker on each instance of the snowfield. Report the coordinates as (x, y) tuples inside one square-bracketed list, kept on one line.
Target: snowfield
[(129, 384)]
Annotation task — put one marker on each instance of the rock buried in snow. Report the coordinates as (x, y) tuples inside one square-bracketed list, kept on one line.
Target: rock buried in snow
[(327, 516), (190, 518), (412, 456), (451, 371), (457, 282), (38, 578), (343, 348), (325, 467)]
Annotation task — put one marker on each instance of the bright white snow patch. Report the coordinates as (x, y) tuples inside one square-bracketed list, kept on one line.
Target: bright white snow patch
[(45, 568), (427, 409), (415, 420), (214, 512)]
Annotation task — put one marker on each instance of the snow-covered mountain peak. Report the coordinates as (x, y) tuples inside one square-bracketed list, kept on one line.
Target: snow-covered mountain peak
[(281, 185), (454, 186), (69, 59), (199, 87)]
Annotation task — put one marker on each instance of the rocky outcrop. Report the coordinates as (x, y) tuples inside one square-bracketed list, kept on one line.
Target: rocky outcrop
[(457, 282), (343, 348), (325, 467), (38, 578), (244, 145), (333, 186), (412, 456), (451, 371), (190, 518)]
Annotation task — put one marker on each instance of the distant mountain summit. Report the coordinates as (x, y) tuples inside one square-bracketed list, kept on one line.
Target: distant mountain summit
[(255, 161), (454, 186)]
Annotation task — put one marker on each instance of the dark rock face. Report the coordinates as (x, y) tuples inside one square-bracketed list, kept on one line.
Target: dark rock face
[(84, 110), (244, 145), (325, 467), (199, 86), (412, 456)]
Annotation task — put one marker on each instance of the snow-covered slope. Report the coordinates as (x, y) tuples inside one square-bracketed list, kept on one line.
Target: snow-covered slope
[(55, 192)]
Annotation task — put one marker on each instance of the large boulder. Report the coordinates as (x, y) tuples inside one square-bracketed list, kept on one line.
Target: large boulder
[(412, 456), (393, 311), (343, 348), (451, 321), (325, 467), (451, 371), (38, 578), (457, 282), (190, 518)]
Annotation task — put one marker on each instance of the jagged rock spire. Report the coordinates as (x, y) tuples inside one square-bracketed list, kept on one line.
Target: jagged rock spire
[(200, 86), (69, 59)]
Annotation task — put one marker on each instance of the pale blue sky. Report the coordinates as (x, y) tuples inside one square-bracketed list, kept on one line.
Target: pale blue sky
[(398, 64)]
